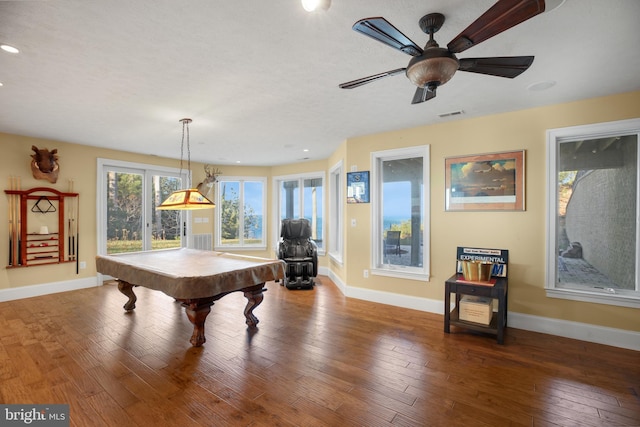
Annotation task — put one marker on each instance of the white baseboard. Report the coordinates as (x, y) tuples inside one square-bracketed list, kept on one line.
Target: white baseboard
[(47, 288), (415, 303), (563, 328), (576, 330), (335, 279), (323, 271)]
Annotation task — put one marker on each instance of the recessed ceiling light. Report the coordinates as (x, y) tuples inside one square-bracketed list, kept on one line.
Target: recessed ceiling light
[(540, 86), (306, 150), (1, 84), (8, 48), (550, 5)]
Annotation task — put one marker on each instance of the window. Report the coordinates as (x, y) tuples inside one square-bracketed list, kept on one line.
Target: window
[(302, 196), (336, 203), (240, 213), (128, 221), (400, 206), (592, 245)]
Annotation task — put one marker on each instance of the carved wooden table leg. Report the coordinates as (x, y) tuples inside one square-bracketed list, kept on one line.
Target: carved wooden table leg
[(254, 297), (127, 289), (197, 311)]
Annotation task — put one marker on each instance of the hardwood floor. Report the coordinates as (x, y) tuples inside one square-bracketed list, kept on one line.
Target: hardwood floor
[(317, 359)]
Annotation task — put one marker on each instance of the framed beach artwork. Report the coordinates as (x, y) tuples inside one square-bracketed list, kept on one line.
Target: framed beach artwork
[(358, 187), (485, 182)]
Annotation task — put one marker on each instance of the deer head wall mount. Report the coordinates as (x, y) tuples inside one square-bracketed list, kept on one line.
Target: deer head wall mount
[(44, 164), (211, 177)]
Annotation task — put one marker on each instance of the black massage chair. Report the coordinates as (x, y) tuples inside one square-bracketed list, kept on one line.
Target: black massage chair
[(299, 252)]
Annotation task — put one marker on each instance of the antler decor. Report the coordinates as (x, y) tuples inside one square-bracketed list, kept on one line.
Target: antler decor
[(211, 177)]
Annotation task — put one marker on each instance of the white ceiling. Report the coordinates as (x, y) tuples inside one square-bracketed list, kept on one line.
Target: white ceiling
[(260, 78)]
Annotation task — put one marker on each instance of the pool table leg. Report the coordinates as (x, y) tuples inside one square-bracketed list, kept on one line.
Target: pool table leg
[(254, 297), (197, 312), (127, 289)]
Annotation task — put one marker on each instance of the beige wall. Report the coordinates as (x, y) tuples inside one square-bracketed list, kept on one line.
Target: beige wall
[(78, 163), (522, 233)]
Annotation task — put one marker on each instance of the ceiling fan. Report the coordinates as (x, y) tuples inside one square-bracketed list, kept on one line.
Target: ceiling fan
[(433, 65)]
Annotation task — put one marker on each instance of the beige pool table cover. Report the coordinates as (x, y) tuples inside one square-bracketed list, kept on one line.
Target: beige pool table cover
[(189, 273)]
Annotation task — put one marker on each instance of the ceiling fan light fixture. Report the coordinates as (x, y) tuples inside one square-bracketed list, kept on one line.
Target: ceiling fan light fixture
[(433, 66), (313, 5), (425, 71)]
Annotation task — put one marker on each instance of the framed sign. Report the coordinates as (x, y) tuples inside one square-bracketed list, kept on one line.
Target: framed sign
[(485, 182), (358, 187)]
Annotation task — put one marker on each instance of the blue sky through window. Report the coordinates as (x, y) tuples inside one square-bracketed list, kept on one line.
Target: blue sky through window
[(397, 199), (253, 195)]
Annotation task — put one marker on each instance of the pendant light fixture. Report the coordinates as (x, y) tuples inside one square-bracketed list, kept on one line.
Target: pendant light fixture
[(190, 198)]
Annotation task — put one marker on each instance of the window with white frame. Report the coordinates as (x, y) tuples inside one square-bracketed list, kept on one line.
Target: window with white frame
[(241, 213), (400, 206), (592, 218), (336, 198), (128, 194), (302, 196)]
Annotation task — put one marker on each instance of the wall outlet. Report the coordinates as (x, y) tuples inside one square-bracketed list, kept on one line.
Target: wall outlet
[(83, 265), (365, 274)]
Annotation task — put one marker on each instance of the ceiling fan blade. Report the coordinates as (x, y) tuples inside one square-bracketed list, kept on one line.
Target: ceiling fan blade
[(380, 29), (423, 94), (500, 17), (365, 80), (510, 66)]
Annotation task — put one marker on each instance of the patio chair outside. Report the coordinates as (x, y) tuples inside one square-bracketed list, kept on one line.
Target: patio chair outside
[(392, 242)]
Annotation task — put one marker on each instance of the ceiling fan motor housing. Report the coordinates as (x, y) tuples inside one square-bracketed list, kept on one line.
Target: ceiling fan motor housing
[(435, 66)]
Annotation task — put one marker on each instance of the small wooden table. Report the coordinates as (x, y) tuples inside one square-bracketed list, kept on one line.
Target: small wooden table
[(195, 278), (456, 285)]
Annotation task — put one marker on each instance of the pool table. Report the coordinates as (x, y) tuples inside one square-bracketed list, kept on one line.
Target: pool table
[(195, 278)]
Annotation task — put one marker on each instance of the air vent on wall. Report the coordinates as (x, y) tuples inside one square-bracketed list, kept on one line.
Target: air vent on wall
[(203, 242), (451, 113)]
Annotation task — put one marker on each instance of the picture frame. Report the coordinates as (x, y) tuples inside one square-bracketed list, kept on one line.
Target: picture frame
[(485, 182), (358, 187)]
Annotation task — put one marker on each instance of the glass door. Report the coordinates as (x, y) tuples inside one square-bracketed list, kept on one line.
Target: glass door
[(167, 227), (124, 212), (131, 222)]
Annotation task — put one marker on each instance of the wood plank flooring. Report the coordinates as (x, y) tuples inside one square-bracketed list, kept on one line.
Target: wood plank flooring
[(316, 359)]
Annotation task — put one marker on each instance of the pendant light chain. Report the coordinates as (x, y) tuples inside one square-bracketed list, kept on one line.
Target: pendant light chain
[(187, 198), (188, 157), (185, 129)]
